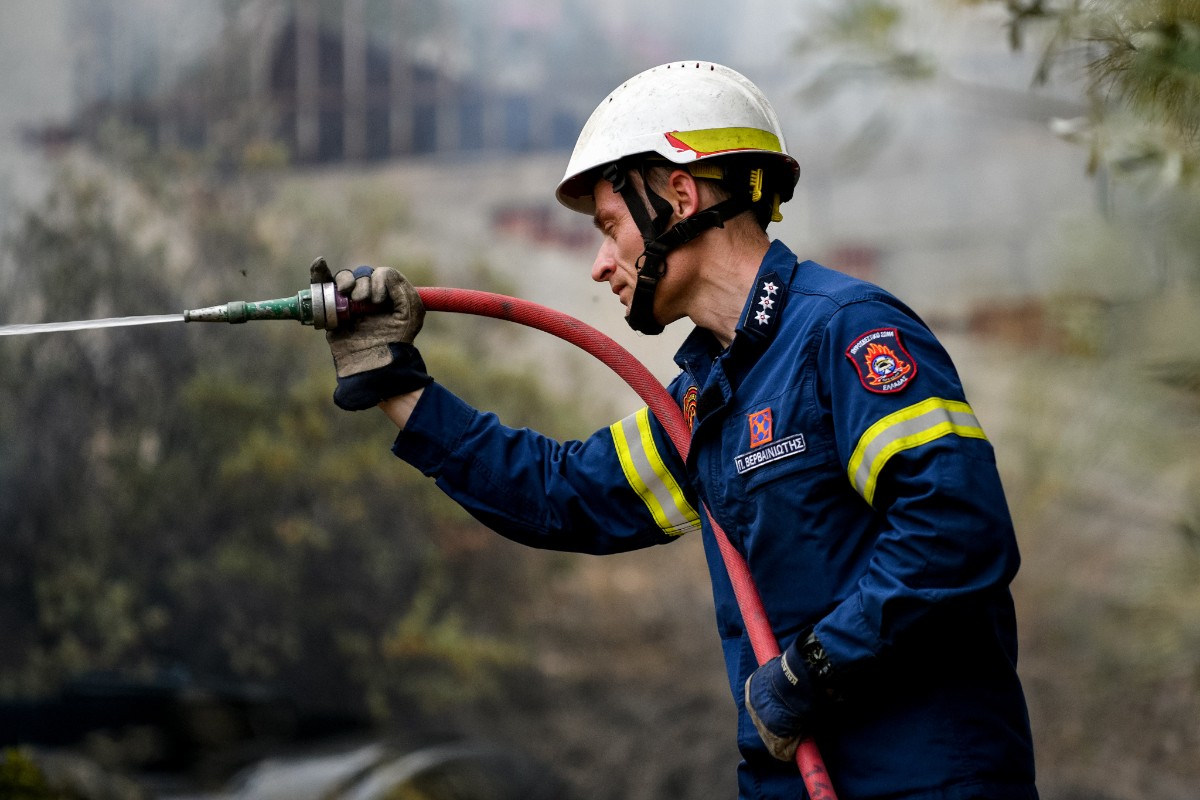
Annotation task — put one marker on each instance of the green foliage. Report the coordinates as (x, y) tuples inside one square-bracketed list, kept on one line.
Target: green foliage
[(1151, 60), (866, 23), (865, 38), (857, 44), (1104, 500), (312, 217), (189, 496), (20, 779), (1141, 61)]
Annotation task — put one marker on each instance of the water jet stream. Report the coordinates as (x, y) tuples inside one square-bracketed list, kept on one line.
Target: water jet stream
[(87, 324)]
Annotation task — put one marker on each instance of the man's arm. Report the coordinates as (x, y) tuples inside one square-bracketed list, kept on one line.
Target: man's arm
[(915, 452), (620, 489)]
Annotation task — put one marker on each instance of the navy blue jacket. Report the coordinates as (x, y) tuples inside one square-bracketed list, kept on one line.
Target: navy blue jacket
[(833, 443)]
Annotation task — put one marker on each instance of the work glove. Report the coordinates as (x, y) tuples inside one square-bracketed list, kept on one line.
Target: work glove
[(782, 700), (374, 354)]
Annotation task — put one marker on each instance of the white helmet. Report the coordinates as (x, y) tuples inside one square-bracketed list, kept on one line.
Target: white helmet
[(684, 112)]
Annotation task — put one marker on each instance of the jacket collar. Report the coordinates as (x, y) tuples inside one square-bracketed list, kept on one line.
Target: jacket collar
[(760, 316)]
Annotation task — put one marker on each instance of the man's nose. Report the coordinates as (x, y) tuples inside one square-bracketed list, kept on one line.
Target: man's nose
[(604, 265)]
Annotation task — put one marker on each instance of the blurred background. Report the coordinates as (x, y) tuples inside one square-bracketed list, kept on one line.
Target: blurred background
[(213, 584)]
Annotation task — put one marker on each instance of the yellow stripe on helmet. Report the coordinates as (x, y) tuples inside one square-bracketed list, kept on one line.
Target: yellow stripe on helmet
[(711, 141)]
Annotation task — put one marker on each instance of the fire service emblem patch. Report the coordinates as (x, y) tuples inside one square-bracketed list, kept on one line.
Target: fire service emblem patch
[(883, 364), (689, 407)]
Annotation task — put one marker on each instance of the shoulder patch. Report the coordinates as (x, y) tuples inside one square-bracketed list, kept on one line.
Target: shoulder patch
[(883, 364)]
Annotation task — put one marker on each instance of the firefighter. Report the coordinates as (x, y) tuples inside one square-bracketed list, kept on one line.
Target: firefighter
[(831, 440)]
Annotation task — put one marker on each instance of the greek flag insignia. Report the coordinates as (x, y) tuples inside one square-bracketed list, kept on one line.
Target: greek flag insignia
[(760, 428)]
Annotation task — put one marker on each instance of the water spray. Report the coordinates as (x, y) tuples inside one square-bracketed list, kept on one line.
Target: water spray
[(321, 305)]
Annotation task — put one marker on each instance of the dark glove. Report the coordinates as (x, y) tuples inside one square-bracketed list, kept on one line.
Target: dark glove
[(374, 355), (782, 700)]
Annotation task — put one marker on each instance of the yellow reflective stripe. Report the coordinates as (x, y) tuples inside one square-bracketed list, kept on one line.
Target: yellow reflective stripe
[(649, 477), (903, 430), (684, 513), (720, 140)]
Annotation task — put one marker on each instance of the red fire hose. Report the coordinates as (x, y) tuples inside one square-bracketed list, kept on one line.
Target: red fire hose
[(634, 373)]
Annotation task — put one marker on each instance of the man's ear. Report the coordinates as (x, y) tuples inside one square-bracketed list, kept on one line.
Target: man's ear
[(684, 193)]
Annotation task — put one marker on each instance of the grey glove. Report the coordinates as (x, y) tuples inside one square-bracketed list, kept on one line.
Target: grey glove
[(363, 345), (374, 354)]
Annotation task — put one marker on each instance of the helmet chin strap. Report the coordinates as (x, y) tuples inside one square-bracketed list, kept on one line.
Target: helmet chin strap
[(658, 240)]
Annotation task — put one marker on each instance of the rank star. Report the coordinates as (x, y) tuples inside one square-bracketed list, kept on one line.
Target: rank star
[(766, 302), (770, 288), (762, 317)]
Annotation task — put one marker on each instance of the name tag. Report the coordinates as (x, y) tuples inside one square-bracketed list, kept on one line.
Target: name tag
[(760, 457)]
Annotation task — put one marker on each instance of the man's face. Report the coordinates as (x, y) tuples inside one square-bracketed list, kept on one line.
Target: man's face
[(622, 243)]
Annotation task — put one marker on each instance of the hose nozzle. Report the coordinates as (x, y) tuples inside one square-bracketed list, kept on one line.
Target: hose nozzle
[(320, 305)]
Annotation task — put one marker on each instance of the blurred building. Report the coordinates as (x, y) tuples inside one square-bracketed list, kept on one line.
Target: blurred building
[(332, 80)]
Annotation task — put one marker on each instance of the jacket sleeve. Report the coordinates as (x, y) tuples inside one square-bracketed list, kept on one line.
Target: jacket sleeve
[(618, 490), (914, 450)]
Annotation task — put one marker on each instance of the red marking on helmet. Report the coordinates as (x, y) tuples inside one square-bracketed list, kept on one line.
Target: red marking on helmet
[(679, 144)]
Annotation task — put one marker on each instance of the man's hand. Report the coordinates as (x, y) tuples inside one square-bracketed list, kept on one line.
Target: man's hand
[(374, 355), (781, 699)]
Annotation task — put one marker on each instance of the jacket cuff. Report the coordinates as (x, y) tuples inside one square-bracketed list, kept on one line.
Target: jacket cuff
[(437, 424), (848, 638)]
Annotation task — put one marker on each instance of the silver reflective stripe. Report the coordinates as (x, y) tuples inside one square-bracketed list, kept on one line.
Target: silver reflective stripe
[(649, 477), (905, 429)]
